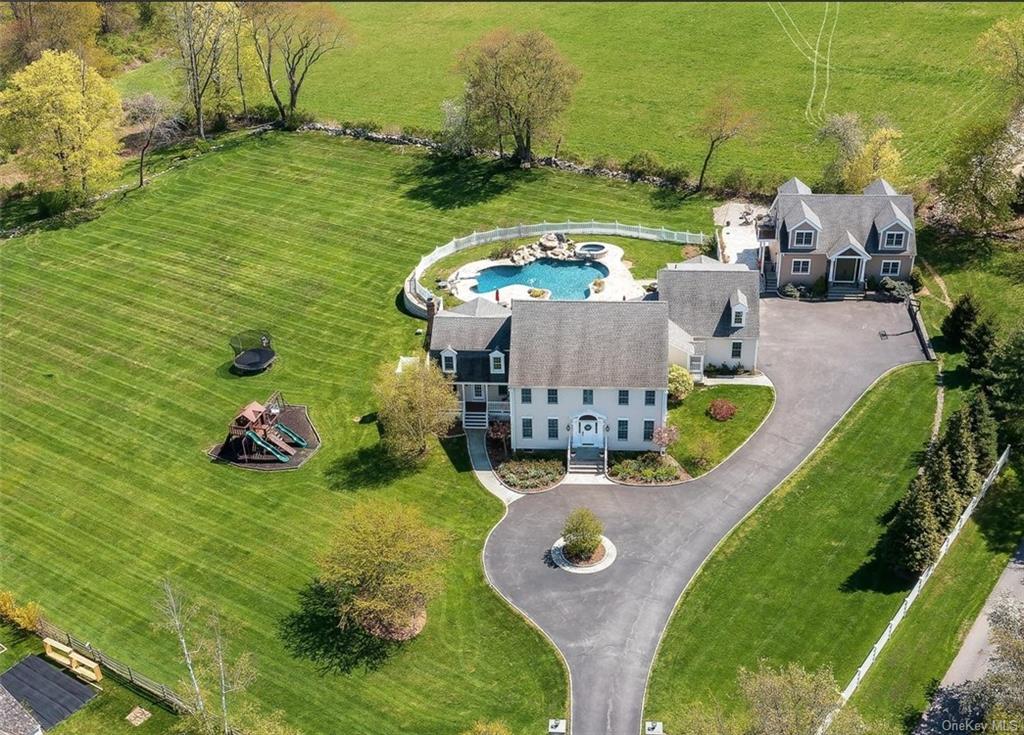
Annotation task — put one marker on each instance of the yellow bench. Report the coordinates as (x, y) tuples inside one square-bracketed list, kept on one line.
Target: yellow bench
[(80, 666)]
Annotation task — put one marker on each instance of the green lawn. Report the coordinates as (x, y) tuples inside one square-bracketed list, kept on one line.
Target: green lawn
[(896, 690), (699, 433), (113, 373), (797, 581), (649, 69), (105, 713)]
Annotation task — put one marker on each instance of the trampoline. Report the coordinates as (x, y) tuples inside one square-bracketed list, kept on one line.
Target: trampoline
[(253, 352)]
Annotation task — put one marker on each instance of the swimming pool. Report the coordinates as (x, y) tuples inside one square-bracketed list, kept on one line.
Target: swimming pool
[(565, 279)]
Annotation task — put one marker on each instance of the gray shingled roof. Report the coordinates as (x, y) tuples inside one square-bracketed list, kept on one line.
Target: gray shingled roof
[(15, 719), (479, 307), (699, 299), (589, 344), (467, 333), (842, 217)]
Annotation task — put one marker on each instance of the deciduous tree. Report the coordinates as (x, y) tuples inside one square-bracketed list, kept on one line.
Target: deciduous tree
[(384, 564), (999, 691), (517, 84), (155, 117), (879, 157), (581, 534), (846, 133), (1002, 48), (665, 436), (680, 383), (723, 119), (201, 34), (413, 406), (63, 117), (292, 37), (788, 700), (35, 27), (977, 183)]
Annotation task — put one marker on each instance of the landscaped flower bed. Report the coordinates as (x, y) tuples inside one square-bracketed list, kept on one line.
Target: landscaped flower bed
[(649, 468), (530, 472)]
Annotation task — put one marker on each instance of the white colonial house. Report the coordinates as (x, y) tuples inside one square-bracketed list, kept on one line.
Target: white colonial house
[(591, 377)]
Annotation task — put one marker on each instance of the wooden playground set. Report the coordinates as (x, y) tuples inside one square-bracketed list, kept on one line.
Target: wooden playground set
[(272, 435)]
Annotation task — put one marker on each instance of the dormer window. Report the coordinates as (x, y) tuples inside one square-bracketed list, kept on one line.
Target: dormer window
[(894, 240), (738, 317), (803, 239), (497, 362), (448, 361)]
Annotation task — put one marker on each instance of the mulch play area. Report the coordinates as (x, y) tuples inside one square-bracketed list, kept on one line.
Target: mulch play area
[(269, 437)]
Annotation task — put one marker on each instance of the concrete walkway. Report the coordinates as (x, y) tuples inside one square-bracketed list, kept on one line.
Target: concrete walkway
[(821, 358), (476, 440)]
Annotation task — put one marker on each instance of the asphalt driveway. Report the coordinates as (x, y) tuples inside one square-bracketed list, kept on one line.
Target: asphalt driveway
[(821, 358)]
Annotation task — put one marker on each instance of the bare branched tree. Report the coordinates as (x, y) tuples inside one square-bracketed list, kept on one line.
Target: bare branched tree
[(296, 36), (177, 612), (155, 115), (200, 31)]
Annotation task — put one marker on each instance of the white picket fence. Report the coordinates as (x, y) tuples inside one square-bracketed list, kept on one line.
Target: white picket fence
[(922, 581), (416, 294)]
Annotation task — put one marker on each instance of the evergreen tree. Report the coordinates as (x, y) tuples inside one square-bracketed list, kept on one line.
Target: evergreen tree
[(959, 442), (984, 430), (1006, 387), (947, 502), (915, 532), (979, 344), (960, 320)]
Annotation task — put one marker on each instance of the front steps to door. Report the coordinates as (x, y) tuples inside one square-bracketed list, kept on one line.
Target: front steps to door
[(474, 420), (837, 292), (586, 461)]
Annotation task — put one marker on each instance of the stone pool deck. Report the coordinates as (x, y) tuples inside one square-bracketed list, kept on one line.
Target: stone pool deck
[(619, 285)]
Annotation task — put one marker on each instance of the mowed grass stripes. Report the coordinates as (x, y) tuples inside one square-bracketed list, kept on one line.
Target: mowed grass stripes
[(114, 383)]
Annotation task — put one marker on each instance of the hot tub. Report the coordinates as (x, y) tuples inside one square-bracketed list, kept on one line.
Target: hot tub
[(591, 250)]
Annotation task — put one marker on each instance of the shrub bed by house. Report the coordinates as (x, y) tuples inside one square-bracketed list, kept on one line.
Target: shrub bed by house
[(647, 468), (526, 471)]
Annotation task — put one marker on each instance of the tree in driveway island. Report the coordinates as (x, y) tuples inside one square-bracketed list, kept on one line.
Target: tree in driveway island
[(383, 564), (518, 85), (413, 405), (581, 534)]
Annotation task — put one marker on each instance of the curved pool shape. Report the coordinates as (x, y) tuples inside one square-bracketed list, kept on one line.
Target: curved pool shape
[(565, 279)]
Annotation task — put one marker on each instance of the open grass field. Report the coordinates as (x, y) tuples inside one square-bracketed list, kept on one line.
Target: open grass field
[(699, 434), (114, 356), (104, 714), (796, 580), (649, 69)]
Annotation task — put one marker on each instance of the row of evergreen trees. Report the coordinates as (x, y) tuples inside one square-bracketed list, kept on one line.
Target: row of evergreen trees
[(953, 469)]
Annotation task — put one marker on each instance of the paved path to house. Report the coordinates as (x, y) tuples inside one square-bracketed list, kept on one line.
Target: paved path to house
[(476, 440), (821, 358)]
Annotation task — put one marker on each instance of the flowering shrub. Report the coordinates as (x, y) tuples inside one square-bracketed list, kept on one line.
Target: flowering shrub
[(530, 473), (646, 467), (721, 409)]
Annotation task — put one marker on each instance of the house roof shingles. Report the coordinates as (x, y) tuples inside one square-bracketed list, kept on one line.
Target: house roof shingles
[(589, 344), (844, 217), (15, 719), (699, 298)]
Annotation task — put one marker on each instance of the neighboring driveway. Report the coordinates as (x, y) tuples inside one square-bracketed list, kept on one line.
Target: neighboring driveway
[(821, 358)]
